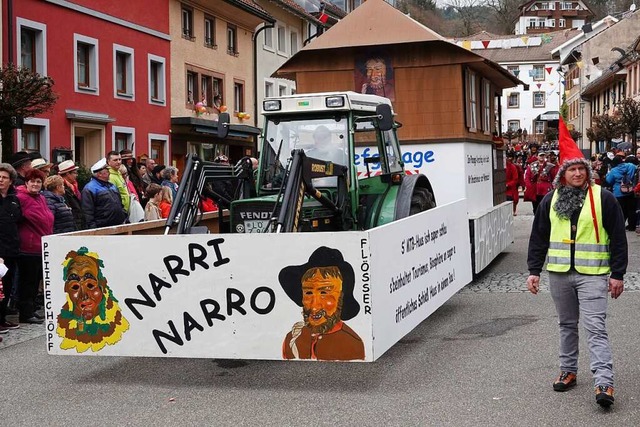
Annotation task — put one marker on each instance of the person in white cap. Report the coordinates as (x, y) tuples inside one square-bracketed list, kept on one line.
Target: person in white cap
[(101, 201), (579, 228), (69, 172)]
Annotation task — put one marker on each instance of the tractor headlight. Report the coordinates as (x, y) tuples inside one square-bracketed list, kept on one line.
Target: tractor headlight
[(272, 105), (334, 101)]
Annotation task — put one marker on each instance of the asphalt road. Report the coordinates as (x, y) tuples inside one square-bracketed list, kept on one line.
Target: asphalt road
[(486, 358)]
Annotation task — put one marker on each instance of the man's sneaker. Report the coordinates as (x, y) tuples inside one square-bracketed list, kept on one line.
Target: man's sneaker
[(565, 381), (604, 395), (9, 325), (3, 330)]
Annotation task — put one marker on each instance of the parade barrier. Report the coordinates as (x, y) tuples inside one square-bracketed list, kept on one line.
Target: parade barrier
[(240, 296)]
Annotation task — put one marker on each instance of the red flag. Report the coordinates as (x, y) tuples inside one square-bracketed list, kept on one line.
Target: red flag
[(485, 43), (549, 69), (323, 17)]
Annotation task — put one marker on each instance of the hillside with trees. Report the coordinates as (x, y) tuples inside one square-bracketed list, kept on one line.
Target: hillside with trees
[(459, 18)]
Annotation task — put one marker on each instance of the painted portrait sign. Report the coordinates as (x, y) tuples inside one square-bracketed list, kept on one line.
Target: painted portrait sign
[(374, 75), (323, 287), (90, 317)]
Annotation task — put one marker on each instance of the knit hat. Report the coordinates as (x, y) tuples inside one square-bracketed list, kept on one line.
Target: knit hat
[(570, 155)]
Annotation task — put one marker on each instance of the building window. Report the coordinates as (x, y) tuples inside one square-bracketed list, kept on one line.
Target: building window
[(282, 90), (32, 51), (34, 135), (268, 38), (218, 91), (514, 100), (513, 125), (513, 69), (86, 64), (187, 23), (268, 89), (31, 138), (206, 86), (157, 82), (539, 127), (538, 99), (562, 23), (537, 73), (123, 72), (486, 107), (566, 5), (551, 23), (28, 49), (192, 87), (120, 141), (282, 45), (238, 97), (294, 43), (471, 100), (209, 31), (232, 40)]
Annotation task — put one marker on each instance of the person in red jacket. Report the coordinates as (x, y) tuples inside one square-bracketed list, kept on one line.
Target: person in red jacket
[(37, 221), (512, 182)]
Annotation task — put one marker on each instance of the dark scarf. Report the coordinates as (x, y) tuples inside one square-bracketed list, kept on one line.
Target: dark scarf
[(570, 200)]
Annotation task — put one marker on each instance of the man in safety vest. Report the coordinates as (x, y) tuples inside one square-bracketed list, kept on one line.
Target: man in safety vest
[(579, 227)]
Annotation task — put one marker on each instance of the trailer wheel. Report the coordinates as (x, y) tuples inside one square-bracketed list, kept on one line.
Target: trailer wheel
[(421, 200)]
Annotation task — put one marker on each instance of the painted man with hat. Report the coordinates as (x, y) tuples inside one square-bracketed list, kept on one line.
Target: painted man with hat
[(323, 287), (69, 173), (579, 228), (101, 201)]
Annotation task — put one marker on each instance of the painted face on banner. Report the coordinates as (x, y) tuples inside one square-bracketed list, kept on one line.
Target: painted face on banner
[(82, 287), (321, 297)]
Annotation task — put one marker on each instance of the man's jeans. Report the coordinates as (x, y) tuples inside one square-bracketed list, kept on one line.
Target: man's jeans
[(577, 294)]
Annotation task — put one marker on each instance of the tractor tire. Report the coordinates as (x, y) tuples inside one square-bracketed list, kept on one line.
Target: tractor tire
[(421, 200)]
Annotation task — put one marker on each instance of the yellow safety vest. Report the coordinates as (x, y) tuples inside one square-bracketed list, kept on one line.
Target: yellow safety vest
[(590, 256)]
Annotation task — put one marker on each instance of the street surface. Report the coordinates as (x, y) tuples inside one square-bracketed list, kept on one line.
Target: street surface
[(486, 358)]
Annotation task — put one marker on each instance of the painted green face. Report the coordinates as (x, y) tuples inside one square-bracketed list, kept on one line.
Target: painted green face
[(82, 287)]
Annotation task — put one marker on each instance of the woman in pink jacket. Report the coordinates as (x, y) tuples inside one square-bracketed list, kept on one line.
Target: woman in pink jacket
[(37, 221)]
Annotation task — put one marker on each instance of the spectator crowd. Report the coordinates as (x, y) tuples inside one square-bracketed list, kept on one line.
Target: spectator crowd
[(38, 198), (531, 169)]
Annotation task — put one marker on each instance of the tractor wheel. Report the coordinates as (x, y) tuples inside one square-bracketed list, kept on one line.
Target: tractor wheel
[(422, 200)]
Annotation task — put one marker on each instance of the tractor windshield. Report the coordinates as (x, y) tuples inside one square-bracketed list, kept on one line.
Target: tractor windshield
[(324, 138)]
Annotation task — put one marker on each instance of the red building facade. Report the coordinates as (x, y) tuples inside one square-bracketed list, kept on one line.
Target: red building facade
[(110, 64)]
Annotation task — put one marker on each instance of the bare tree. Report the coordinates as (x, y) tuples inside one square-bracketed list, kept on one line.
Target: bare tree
[(23, 94), (629, 116), (605, 127), (469, 15), (505, 13)]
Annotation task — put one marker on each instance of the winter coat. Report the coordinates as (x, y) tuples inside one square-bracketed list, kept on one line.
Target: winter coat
[(165, 208), (546, 176), (37, 221), (152, 211), (63, 221), (512, 181), (10, 216), (115, 177), (73, 202), (102, 205), (624, 171), (172, 186)]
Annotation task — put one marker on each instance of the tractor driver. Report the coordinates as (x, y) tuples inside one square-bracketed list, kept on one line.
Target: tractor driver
[(323, 148)]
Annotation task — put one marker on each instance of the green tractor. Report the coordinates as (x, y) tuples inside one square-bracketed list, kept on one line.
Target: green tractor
[(306, 178)]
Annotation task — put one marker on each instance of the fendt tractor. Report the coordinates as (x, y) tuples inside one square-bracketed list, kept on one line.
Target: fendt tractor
[(306, 178)]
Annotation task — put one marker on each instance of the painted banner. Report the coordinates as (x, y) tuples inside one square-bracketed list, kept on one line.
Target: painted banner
[(298, 296), (417, 265), (455, 170)]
